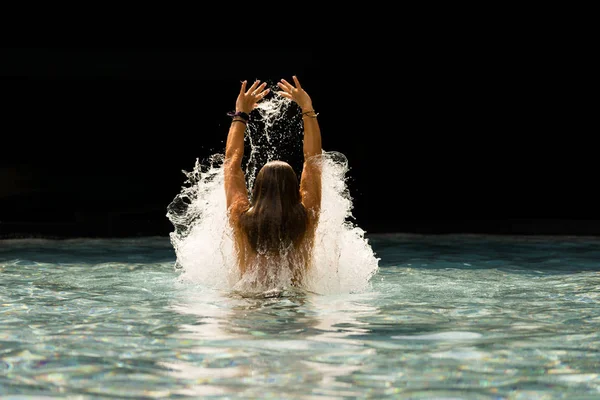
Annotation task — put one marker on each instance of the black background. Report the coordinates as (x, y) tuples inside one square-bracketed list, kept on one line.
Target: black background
[(477, 137)]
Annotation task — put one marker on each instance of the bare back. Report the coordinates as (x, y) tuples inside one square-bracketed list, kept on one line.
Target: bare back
[(298, 258)]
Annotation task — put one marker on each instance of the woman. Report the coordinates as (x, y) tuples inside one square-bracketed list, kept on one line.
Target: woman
[(274, 230)]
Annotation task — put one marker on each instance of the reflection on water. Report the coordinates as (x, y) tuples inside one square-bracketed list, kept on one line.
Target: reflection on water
[(467, 317), (306, 338)]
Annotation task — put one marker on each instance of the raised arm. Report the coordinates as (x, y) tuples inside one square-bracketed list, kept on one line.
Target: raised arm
[(236, 191), (310, 181)]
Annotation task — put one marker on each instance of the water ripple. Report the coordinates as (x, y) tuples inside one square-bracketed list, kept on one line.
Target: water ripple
[(470, 319)]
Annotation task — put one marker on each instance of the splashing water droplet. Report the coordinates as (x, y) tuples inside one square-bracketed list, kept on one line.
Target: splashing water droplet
[(343, 260)]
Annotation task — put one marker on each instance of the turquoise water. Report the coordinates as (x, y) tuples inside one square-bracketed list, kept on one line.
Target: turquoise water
[(444, 317)]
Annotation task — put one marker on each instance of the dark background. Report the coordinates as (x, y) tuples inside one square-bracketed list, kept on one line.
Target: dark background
[(477, 137)]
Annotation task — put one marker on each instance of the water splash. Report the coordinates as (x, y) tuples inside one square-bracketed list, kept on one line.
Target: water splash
[(343, 260)]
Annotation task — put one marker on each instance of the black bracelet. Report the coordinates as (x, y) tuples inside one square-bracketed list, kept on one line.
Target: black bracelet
[(240, 114), (239, 120)]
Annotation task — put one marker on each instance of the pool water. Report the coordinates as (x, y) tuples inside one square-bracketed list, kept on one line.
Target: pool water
[(444, 317)]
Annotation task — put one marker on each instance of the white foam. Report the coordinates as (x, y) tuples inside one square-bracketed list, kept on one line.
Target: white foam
[(343, 260)]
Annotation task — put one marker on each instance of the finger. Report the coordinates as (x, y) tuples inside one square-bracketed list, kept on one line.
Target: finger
[(288, 85), (297, 82), (286, 90), (285, 94), (254, 85), (259, 89), (262, 94), (243, 89)]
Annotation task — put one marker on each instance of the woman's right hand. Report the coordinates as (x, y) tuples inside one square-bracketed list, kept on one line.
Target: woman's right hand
[(246, 100), (296, 94)]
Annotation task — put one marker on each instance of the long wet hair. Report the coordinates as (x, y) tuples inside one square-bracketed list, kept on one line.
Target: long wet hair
[(277, 218)]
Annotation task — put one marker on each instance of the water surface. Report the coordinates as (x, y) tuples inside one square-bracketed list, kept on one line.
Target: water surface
[(445, 317)]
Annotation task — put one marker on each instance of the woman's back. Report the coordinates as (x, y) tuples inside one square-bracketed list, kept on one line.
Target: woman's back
[(274, 231), (273, 268)]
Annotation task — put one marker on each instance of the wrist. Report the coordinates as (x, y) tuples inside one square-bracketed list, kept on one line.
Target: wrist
[(311, 113), (238, 119), (239, 114)]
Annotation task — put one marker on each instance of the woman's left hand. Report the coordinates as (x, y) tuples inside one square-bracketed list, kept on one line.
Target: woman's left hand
[(246, 100)]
